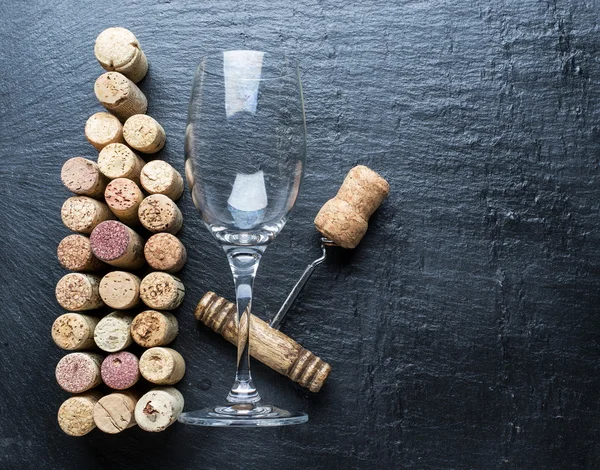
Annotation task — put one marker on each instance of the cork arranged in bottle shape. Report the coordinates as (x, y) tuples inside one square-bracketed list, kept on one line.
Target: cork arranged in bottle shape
[(124, 197), (102, 129), (75, 415), (158, 177), (270, 346), (144, 133), (158, 409), (119, 95), (116, 244), (344, 219), (119, 161), (158, 213), (117, 49), (162, 366), (82, 214), (77, 292), (74, 253), (115, 412), (152, 328), (82, 176), (74, 331)]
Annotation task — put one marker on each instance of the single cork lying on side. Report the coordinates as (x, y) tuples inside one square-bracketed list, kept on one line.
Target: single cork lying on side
[(120, 290), (120, 370), (117, 49), (112, 333), (82, 176), (119, 161), (116, 244), (77, 292), (119, 95), (73, 331), (78, 372), (74, 253), (158, 409), (158, 177), (76, 414), (158, 213), (144, 133), (115, 412), (162, 366), (344, 219), (152, 328), (165, 252), (124, 197), (162, 291), (82, 214), (102, 129)]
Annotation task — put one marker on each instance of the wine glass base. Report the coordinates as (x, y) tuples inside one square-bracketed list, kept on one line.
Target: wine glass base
[(243, 415)]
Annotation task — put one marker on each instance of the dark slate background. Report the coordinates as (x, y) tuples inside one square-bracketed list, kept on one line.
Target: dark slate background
[(464, 332)]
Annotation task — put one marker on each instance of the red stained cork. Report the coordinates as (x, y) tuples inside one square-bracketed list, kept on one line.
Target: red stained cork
[(120, 370), (79, 372), (118, 245)]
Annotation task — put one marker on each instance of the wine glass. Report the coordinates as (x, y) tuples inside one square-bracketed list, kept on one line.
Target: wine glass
[(245, 148)]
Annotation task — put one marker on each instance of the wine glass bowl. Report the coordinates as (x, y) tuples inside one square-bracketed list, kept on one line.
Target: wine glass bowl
[(245, 149)]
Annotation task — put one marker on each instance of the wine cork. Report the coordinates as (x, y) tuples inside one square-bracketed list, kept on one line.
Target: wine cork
[(119, 161), (144, 133), (114, 413), (152, 328), (82, 176), (162, 366), (158, 177), (158, 213), (102, 129), (73, 331), (76, 414), (112, 333), (78, 372), (120, 370), (75, 254), (344, 219), (82, 214), (117, 49), (162, 291), (77, 292), (164, 252), (119, 95), (120, 290), (116, 244), (124, 197), (158, 409)]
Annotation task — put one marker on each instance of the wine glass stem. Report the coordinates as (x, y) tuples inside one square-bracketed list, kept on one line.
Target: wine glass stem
[(244, 262)]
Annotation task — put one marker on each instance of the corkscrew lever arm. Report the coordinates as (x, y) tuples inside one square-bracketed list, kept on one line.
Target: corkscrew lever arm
[(293, 295)]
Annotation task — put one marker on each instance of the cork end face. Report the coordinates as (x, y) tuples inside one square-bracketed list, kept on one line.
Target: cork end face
[(158, 213), (115, 47), (74, 253), (78, 372), (109, 240), (77, 292), (112, 88), (112, 334), (120, 371), (75, 415), (70, 331), (162, 291), (164, 252), (102, 129), (158, 409), (144, 133), (117, 160), (122, 194), (80, 175)]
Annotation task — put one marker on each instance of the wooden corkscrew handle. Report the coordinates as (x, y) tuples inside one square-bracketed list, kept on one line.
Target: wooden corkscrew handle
[(270, 346)]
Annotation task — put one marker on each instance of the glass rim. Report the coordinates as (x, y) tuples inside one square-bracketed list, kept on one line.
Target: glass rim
[(283, 56)]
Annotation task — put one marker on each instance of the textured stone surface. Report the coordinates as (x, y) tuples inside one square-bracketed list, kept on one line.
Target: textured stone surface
[(464, 330)]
